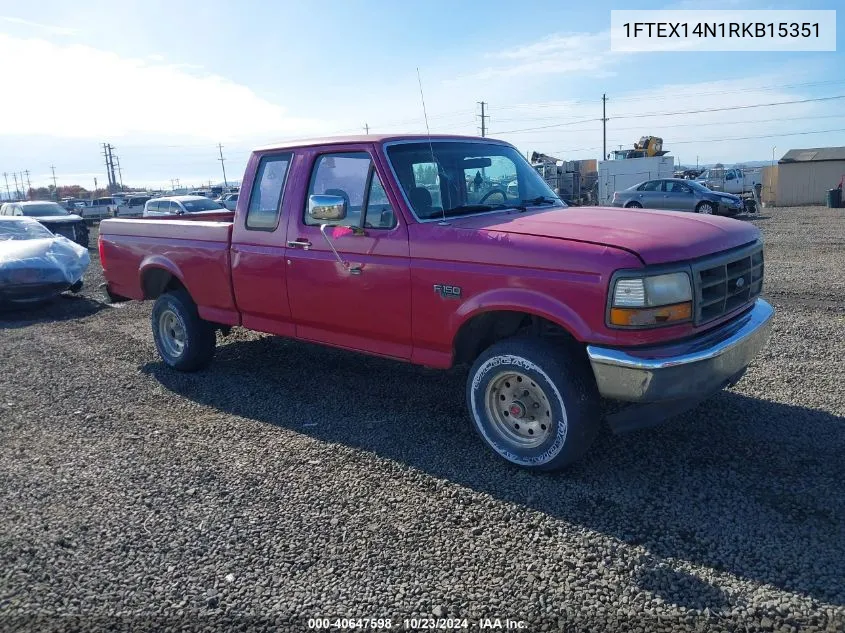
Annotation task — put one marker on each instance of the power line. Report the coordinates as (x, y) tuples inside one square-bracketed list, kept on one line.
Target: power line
[(678, 113), (546, 127), (728, 108), (710, 123), (682, 95), (715, 140)]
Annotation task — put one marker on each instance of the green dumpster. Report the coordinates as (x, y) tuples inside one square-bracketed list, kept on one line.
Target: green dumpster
[(834, 198)]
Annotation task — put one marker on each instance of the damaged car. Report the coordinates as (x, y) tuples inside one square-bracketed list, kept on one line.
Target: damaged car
[(35, 264), (53, 216)]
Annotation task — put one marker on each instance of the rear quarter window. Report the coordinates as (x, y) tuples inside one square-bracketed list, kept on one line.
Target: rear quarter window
[(265, 200)]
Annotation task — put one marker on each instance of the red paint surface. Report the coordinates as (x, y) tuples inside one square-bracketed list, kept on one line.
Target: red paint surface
[(553, 263)]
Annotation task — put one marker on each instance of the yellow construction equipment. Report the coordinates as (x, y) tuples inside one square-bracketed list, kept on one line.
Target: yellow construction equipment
[(647, 146)]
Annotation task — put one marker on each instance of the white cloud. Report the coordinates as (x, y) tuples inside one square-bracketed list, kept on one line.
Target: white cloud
[(56, 30), (76, 91), (560, 53)]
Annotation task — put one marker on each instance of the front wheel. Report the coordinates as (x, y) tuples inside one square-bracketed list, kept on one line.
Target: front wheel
[(184, 340), (533, 404), (705, 208)]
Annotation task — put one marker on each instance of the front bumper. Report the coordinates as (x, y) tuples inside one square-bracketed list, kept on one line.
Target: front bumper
[(690, 369), (31, 292)]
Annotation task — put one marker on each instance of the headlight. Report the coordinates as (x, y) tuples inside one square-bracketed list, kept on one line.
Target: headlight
[(651, 300)]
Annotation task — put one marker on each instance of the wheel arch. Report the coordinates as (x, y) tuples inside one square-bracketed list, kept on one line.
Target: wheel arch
[(501, 314), (157, 275)]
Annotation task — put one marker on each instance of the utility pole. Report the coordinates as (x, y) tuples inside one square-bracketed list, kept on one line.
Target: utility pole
[(222, 164), (17, 191), (28, 185), (484, 117), (111, 169), (119, 171), (604, 127), (55, 185), (6, 178), (366, 128), (108, 165)]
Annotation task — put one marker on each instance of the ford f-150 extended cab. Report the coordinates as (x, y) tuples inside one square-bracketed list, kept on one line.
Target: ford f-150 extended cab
[(422, 249)]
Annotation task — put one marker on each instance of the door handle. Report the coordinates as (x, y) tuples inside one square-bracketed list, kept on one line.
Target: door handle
[(300, 243)]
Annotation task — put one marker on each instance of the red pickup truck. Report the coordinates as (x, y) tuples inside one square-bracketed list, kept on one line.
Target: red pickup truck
[(453, 250)]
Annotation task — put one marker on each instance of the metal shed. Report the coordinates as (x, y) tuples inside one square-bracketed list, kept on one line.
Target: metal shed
[(805, 175)]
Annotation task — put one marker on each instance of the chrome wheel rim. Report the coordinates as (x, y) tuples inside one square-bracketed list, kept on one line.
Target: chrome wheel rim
[(518, 409), (706, 209), (171, 333)]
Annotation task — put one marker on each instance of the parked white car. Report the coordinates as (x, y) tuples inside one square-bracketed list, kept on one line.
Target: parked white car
[(178, 205)]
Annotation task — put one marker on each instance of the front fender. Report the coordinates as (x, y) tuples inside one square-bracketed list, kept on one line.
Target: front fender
[(521, 300)]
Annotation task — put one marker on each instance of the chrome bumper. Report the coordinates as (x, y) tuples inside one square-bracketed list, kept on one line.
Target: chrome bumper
[(693, 368)]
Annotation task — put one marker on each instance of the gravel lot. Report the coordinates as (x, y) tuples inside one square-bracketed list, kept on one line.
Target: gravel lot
[(292, 481)]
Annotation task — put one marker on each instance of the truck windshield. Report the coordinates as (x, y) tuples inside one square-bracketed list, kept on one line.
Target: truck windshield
[(42, 209), (452, 178)]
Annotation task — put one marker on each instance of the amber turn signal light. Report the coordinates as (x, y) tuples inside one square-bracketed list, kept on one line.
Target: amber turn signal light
[(639, 317)]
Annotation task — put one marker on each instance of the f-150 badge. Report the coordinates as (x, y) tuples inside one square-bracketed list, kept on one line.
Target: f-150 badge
[(448, 292)]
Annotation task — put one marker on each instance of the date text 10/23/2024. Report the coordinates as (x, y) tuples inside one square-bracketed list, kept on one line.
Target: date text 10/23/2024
[(418, 624)]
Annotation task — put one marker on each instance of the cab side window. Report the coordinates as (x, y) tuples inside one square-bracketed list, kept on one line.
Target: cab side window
[(265, 202), (379, 213), (352, 176)]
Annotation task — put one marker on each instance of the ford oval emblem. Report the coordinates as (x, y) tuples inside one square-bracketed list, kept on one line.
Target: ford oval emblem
[(740, 282)]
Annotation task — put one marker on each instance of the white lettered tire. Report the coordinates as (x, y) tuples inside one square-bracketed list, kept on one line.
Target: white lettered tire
[(533, 402)]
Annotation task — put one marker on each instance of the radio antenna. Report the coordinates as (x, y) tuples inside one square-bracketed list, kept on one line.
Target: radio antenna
[(431, 149)]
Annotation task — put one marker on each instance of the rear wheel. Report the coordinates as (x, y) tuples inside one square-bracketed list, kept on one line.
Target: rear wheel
[(533, 404), (705, 208), (633, 205), (184, 340)]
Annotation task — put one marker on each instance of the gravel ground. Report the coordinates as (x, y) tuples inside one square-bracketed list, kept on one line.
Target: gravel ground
[(292, 481)]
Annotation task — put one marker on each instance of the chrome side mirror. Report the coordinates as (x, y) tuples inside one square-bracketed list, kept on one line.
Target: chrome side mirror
[(323, 207)]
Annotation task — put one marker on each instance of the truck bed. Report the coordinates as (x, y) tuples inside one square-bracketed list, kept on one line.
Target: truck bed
[(196, 252)]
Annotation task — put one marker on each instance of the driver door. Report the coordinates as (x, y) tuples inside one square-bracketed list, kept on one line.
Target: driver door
[(678, 196), (352, 286)]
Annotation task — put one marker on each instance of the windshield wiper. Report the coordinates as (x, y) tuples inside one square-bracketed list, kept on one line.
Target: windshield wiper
[(470, 208), (541, 200)]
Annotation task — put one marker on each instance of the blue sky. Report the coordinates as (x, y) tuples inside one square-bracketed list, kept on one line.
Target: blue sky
[(164, 82)]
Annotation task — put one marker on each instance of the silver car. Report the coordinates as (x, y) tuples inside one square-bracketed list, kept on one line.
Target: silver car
[(229, 200), (677, 194), (179, 205)]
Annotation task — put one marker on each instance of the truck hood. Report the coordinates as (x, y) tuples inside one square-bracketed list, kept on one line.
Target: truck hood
[(657, 237)]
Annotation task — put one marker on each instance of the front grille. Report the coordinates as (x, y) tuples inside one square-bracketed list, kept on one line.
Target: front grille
[(727, 282), (67, 230)]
